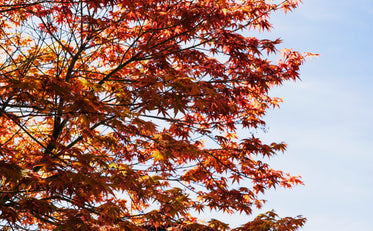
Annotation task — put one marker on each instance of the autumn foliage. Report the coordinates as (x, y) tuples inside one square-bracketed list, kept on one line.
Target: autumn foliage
[(108, 109)]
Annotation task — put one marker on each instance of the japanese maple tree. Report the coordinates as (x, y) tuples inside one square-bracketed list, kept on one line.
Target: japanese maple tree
[(105, 106)]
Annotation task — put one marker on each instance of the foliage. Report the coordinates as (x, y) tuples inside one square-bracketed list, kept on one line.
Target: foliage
[(270, 222), (105, 105)]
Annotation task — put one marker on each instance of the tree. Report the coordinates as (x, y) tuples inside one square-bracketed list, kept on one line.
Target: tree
[(105, 105)]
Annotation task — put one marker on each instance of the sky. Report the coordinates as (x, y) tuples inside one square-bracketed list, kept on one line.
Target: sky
[(326, 118)]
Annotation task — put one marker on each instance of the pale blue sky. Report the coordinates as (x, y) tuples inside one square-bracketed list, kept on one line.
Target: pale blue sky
[(326, 118)]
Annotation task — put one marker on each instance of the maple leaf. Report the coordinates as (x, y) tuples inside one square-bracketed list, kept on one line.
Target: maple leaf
[(105, 106)]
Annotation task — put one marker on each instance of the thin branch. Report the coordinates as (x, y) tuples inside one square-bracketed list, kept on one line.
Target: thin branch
[(12, 117)]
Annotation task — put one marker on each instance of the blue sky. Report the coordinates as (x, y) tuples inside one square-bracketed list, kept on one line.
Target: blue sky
[(327, 117)]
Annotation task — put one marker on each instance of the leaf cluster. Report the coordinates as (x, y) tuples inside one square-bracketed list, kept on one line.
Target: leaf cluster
[(105, 107)]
